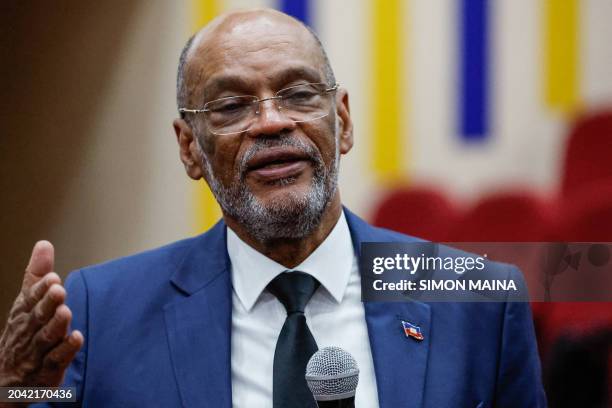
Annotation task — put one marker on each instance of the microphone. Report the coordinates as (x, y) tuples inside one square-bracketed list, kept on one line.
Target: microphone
[(332, 376)]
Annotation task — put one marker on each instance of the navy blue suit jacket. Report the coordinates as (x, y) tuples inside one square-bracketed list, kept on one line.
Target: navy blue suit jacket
[(157, 329)]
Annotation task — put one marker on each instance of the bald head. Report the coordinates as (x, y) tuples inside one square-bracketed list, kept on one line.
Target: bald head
[(223, 34)]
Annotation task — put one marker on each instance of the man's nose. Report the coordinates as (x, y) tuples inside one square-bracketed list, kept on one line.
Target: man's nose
[(270, 120)]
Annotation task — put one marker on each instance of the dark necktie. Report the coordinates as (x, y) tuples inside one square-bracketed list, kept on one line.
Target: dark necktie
[(295, 343)]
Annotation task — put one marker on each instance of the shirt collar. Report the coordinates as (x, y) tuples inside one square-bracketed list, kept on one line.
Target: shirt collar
[(330, 263)]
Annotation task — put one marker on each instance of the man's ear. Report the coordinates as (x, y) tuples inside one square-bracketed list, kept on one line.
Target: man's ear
[(345, 124), (188, 149)]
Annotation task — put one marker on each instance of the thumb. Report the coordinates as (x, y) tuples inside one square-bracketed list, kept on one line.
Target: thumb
[(41, 263)]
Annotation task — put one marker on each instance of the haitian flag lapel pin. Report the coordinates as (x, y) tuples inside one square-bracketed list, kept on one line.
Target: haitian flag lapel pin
[(412, 330)]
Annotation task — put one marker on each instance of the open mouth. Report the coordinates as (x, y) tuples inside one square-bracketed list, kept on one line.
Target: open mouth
[(277, 163)]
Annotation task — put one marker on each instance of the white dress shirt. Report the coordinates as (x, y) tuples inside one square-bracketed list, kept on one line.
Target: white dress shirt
[(335, 315)]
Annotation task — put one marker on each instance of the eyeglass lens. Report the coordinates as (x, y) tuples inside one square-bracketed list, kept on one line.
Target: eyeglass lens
[(300, 103)]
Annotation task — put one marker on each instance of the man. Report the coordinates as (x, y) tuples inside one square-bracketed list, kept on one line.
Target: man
[(230, 318)]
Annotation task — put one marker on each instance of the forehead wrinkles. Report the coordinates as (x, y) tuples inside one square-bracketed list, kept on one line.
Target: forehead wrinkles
[(249, 44)]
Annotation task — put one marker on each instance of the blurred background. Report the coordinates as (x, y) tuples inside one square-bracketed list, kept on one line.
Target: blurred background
[(474, 120)]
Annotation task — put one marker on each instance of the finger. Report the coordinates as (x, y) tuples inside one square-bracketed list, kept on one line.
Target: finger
[(41, 263), (61, 355), (53, 332), (29, 298), (46, 307)]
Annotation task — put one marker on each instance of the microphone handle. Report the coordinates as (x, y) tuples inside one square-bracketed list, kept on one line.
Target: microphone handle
[(343, 403)]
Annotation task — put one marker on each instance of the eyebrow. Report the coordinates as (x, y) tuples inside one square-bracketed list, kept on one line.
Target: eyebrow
[(221, 83), (298, 72), (218, 84)]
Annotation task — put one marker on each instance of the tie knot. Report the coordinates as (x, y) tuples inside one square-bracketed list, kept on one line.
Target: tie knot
[(293, 290)]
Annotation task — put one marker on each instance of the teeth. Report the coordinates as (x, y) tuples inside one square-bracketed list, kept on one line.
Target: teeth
[(279, 162), (276, 164)]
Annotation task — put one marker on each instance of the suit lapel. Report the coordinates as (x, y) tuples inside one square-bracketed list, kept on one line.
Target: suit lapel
[(198, 324), (400, 362)]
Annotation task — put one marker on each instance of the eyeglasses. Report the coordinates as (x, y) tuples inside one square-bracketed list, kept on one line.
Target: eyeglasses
[(237, 114)]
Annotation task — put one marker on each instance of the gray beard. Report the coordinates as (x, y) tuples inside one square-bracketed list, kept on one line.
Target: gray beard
[(293, 216)]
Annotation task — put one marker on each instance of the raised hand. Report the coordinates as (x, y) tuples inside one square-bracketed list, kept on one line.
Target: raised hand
[(35, 346)]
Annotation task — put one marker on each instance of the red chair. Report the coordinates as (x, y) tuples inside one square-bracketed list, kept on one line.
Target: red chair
[(419, 211), (517, 216), (506, 217), (587, 214), (588, 153)]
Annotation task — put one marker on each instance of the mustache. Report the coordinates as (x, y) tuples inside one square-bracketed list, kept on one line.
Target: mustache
[(265, 143)]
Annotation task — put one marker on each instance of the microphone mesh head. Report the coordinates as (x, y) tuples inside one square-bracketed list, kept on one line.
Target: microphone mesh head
[(332, 374)]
